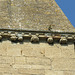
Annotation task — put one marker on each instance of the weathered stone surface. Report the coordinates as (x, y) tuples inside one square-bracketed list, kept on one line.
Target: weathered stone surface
[(5, 66), (63, 40), (5, 13), (26, 58), (69, 73), (59, 51), (14, 50), (20, 38), (53, 51), (34, 39), (34, 62), (33, 15), (68, 52), (6, 59), (13, 38), (50, 72), (28, 71), (50, 40), (33, 67), (20, 60), (20, 74), (39, 61), (7, 74), (8, 71), (30, 49), (3, 49), (63, 64)]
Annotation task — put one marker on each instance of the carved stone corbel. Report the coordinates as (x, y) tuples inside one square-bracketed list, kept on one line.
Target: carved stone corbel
[(13, 37), (34, 38), (0, 37), (6, 34), (70, 37), (63, 40), (20, 37), (50, 40)]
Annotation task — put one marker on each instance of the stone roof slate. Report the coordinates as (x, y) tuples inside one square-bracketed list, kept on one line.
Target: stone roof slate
[(33, 15)]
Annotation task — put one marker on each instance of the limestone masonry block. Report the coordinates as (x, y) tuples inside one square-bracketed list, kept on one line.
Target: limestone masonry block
[(20, 60), (33, 50), (49, 72), (39, 61), (58, 51), (6, 60), (14, 50), (3, 49), (63, 64), (34, 67), (6, 74), (8, 71), (69, 73), (53, 52), (29, 71), (5, 65)]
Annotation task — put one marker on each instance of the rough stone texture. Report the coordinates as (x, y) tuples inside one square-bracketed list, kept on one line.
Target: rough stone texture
[(30, 50), (13, 50), (48, 72), (4, 13), (63, 64), (37, 59), (20, 60), (58, 50), (33, 15), (32, 72)]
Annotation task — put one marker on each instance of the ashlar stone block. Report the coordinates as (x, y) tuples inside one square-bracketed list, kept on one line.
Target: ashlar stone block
[(63, 64)]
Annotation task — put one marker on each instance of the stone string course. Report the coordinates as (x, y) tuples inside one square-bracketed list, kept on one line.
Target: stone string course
[(50, 37)]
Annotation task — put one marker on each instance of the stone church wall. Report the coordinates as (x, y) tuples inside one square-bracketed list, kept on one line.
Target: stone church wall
[(36, 59), (35, 19)]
